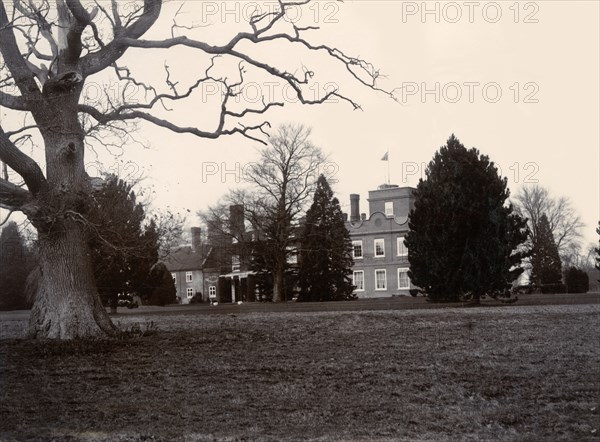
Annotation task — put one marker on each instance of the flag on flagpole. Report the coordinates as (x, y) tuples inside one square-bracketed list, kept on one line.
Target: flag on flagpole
[(385, 157)]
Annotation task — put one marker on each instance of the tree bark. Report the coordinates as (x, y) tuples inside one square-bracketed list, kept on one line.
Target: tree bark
[(67, 305), (278, 281)]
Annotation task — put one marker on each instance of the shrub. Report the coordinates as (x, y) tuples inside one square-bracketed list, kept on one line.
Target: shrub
[(527, 289), (197, 298), (126, 300), (577, 280), (164, 291), (554, 288)]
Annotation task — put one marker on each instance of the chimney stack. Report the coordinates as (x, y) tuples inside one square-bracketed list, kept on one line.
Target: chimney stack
[(354, 207), (236, 220), (196, 239)]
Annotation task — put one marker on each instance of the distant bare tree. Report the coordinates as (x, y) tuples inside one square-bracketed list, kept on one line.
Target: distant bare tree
[(565, 224), (284, 179), (580, 257), (282, 182)]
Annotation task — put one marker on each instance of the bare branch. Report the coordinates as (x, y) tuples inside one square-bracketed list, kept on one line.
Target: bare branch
[(81, 19), (13, 102), (565, 224), (7, 217), (13, 197), (108, 55), (22, 164), (15, 63)]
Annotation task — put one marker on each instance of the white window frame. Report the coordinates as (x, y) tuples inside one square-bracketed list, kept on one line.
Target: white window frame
[(362, 272), (401, 247), (382, 241), (389, 209), (355, 243), (384, 280), (235, 263), (212, 291), (189, 276), (292, 255), (190, 292), (403, 270)]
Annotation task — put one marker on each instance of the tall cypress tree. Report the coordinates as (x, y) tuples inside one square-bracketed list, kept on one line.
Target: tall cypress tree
[(326, 250), (464, 239), (546, 264)]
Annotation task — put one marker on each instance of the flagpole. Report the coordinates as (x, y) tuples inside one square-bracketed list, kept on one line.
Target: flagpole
[(388, 161), (386, 158)]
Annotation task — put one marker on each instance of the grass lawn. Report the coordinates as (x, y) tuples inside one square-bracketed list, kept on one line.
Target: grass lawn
[(526, 373)]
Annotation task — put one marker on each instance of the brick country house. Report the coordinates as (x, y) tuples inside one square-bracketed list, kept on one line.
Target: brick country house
[(194, 269), (380, 257), (220, 267)]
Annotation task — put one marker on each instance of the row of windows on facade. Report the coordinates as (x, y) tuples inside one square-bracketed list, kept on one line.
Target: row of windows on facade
[(189, 277), (236, 266), (358, 279), (379, 248)]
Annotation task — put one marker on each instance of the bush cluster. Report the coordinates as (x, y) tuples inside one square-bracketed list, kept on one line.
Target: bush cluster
[(554, 288), (577, 280)]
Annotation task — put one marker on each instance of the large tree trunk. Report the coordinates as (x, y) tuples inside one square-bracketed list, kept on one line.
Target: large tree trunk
[(278, 284), (67, 305)]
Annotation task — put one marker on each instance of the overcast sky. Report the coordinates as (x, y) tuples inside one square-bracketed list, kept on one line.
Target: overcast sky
[(519, 81)]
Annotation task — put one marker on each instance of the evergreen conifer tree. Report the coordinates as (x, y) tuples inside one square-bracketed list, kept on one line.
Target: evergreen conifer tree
[(123, 251), (545, 261), (464, 240), (326, 250)]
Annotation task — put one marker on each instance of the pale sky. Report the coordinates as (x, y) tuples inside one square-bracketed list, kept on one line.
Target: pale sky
[(519, 81)]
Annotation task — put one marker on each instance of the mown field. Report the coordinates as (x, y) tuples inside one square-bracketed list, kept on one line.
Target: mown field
[(515, 373)]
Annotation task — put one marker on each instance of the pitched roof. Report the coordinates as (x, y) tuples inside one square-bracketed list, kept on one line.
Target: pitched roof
[(184, 259)]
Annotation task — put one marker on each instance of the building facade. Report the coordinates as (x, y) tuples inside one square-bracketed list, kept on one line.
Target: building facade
[(193, 269), (380, 256), (221, 267), (217, 269)]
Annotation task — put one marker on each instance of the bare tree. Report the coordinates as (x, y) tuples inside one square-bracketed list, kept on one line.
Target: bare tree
[(227, 236), (48, 52), (282, 183), (284, 179), (565, 224)]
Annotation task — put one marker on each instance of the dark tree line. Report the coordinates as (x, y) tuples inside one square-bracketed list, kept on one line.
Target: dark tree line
[(17, 259)]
